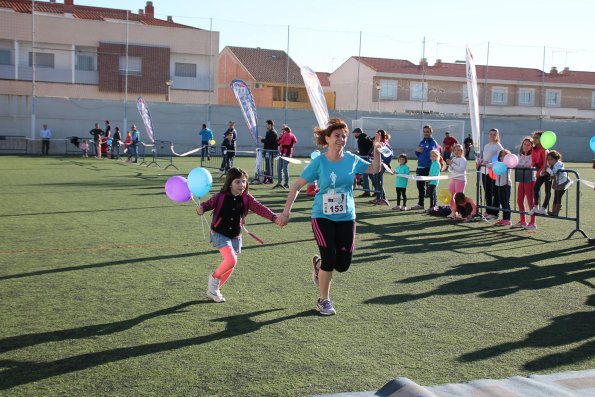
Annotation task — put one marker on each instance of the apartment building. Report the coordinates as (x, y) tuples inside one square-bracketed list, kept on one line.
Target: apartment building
[(76, 51), (400, 86), (271, 75)]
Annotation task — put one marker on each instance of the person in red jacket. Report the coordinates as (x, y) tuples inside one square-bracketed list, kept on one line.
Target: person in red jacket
[(286, 143), (538, 158)]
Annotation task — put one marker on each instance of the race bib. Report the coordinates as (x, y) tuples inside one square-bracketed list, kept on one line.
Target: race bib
[(334, 203)]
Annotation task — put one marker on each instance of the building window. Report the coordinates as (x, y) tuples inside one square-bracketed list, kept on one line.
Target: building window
[(85, 62), (552, 98), (185, 69), (593, 100), (5, 57), (526, 96), (293, 95), (134, 65), (465, 94), (42, 60), (418, 91), (499, 96), (388, 89)]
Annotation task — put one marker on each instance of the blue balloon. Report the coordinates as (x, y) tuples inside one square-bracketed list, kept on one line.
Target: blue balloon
[(499, 168), (494, 158), (200, 181), (109, 142), (314, 154), (592, 143)]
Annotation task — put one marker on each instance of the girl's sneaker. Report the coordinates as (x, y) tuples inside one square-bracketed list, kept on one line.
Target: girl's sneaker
[(503, 222), (403, 208), (531, 226), (325, 307), (519, 225), (491, 217), (213, 292), (397, 208)]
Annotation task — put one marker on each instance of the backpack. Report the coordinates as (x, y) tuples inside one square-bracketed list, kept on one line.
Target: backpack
[(440, 211)]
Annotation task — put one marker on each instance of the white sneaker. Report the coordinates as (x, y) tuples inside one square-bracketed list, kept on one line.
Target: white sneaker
[(403, 208), (397, 208), (213, 292), (541, 210), (491, 217)]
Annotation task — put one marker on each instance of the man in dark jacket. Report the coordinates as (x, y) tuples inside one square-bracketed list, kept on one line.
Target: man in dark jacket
[(270, 147), (364, 148)]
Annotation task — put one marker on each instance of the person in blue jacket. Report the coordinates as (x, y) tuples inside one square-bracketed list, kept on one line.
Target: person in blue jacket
[(424, 162)]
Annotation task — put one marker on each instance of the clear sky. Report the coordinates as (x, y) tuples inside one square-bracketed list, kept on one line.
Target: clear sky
[(322, 34)]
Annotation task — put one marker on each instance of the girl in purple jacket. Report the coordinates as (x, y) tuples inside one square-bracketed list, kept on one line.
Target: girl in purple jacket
[(230, 207)]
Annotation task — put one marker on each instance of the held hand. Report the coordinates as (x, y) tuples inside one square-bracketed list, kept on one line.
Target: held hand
[(199, 210), (282, 220)]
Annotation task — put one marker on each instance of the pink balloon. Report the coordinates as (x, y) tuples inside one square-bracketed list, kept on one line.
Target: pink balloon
[(511, 160), (176, 189)]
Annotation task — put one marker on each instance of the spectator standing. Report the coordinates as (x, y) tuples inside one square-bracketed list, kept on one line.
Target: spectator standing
[(365, 144), (270, 150), (97, 133), (231, 127), (286, 142), (538, 157), (133, 148), (206, 136), (46, 135), (447, 145), (468, 142), (108, 129), (424, 162), (491, 149), (116, 140), (229, 151)]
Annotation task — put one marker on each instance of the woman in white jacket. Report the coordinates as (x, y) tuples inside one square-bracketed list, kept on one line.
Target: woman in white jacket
[(555, 166)]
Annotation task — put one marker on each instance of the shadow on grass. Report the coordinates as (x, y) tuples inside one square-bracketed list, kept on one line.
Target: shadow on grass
[(136, 260), (498, 278), (20, 373), (562, 330), (21, 341), (92, 210)]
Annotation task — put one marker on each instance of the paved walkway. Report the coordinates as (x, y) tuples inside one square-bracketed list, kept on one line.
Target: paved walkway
[(564, 384)]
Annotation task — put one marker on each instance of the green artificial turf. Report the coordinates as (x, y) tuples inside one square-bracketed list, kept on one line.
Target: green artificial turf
[(103, 279)]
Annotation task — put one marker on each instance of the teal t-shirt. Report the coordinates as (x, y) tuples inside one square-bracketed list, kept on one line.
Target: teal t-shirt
[(335, 177), (434, 171), (400, 181)]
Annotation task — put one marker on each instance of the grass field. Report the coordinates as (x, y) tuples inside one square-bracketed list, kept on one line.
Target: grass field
[(103, 279)]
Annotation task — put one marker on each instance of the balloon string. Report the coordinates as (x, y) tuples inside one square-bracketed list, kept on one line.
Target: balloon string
[(202, 225)]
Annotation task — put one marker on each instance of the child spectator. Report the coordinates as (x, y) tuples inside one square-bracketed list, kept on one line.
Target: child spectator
[(435, 169), (401, 183), (85, 148), (538, 156), (229, 150), (463, 208), (230, 207), (502, 190), (525, 177), (555, 166), (457, 166)]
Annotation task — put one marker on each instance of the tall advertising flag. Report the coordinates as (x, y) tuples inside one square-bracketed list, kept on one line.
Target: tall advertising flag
[(473, 99), (246, 101), (146, 116), (316, 95)]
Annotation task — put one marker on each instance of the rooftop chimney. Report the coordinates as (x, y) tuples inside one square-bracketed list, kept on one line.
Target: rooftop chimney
[(141, 11), (68, 6), (566, 71), (150, 10), (554, 70), (169, 18), (438, 63), (423, 62)]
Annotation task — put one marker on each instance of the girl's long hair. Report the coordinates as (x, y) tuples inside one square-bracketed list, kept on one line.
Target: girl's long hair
[(527, 138), (233, 173)]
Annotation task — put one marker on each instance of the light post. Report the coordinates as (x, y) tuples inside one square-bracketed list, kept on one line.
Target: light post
[(378, 87), (168, 84)]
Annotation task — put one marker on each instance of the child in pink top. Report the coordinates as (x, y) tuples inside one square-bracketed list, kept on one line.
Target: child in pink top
[(525, 177), (538, 156)]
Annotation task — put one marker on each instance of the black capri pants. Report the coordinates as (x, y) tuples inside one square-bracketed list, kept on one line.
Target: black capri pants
[(336, 242)]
